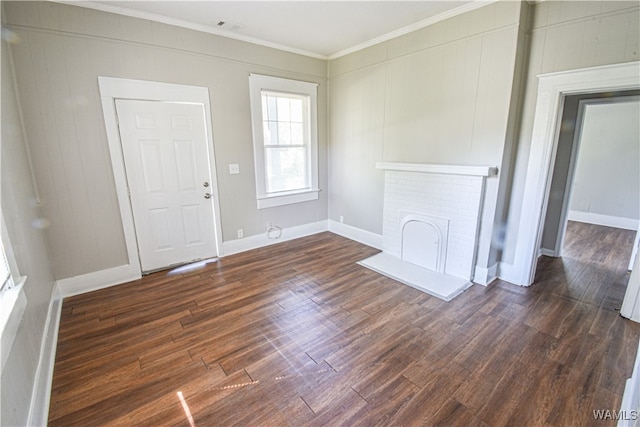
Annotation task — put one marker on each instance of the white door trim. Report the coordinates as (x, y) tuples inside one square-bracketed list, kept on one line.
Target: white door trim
[(115, 88), (552, 88)]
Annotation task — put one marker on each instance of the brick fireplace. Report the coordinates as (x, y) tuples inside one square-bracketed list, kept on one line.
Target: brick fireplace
[(431, 222)]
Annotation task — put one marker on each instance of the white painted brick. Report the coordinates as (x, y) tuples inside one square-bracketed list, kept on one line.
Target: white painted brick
[(456, 198)]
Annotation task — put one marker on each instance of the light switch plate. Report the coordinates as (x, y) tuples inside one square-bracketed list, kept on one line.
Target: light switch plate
[(234, 168)]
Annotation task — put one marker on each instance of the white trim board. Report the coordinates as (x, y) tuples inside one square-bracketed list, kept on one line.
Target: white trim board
[(606, 220), (357, 234), (41, 393), (485, 275), (97, 280), (440, 169), (630, 406), (552, 89), (260, 240), (115, 88), (547, 252)]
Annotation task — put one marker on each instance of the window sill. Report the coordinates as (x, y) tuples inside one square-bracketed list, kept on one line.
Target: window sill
[(12, 304), (287, 199)]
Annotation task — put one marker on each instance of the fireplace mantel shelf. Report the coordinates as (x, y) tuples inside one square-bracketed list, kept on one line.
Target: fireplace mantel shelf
[(441, 169)]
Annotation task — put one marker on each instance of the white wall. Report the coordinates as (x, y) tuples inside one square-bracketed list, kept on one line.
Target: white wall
[(63, 50), (29, 247), (567, 35), (607, 176)]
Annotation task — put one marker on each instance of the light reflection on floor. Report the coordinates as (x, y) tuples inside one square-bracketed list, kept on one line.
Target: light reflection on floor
[(187, 412), (190, 268)]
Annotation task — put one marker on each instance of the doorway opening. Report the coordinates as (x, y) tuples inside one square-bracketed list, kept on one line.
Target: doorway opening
[(593, 208), (596, 172), (553, 88)]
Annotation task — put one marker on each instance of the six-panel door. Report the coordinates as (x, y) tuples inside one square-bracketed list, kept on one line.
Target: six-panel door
[(167, 163)]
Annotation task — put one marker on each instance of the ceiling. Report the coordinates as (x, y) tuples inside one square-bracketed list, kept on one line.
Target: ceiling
[(322, 29)]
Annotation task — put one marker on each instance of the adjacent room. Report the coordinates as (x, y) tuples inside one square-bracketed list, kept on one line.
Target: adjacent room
[(320, 213)]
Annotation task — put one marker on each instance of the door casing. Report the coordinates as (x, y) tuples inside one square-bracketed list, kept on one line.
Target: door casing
[(115, 88), (552, 88)]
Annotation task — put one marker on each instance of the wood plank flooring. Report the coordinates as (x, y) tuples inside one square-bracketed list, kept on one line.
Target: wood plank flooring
[(298, 334)]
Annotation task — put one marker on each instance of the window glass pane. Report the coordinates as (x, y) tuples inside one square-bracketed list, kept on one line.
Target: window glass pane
[(284, 133), (297, 137), (272, 109), (296, 110), (270, 133), (286, 169), (283, 119), (284, 109)]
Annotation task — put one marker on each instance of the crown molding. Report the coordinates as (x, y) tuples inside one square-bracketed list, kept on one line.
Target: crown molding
[(189, 25), (476, 4)]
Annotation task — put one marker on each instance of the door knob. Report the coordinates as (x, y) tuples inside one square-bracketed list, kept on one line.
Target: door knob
[(205, 184), (207, 195)]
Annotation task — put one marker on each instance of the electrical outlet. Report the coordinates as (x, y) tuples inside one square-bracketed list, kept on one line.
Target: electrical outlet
[(234, 168), (341, 219), (240, 233)]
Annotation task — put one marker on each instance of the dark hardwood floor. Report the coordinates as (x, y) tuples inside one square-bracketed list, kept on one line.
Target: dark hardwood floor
[(298, 334)]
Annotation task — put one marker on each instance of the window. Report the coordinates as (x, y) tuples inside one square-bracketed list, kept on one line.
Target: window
[(6, 279), (13, 300), (285, 142)]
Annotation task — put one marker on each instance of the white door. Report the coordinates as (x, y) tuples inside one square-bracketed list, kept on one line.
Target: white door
[(169, 177)]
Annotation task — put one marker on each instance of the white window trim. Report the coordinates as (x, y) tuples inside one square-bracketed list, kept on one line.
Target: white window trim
[(258, 83), (13, 300)]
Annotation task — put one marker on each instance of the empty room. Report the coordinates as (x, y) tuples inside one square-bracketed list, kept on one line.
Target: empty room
[(320, 213)]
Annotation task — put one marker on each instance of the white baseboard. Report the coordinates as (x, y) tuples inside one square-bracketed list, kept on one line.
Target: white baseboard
[(485, 276), (98, 280), (606, 220), (359, 235), (260, 240), (41, 394), (547, 252)]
